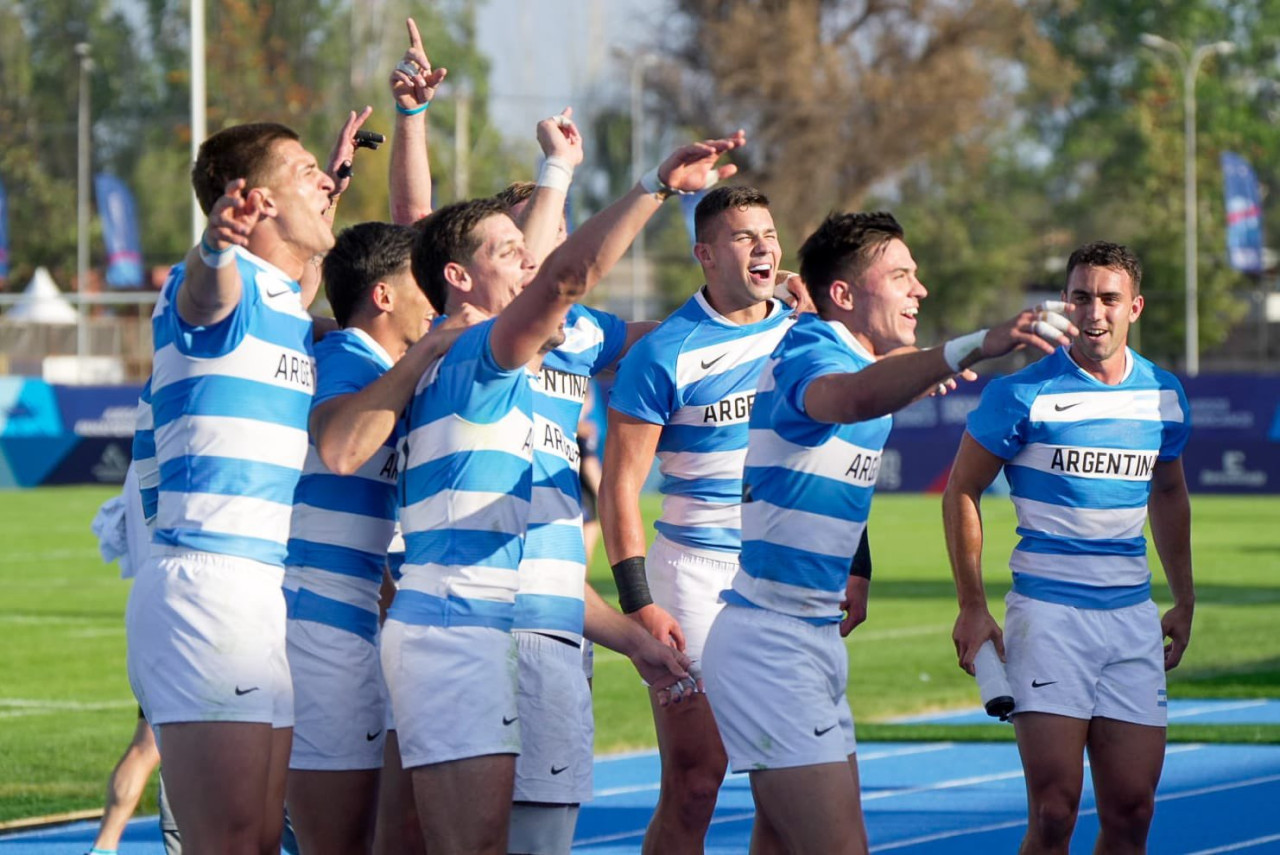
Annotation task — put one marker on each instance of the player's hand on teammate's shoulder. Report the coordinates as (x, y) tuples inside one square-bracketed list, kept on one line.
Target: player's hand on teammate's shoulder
[(790, 289), (559, 137), (413, 80), (467, 315)]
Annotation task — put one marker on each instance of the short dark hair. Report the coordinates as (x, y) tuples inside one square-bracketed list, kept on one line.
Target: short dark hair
[(843, 247), (720, 200), (1111, 255), (241, 151), (362, 256), (448, 235), (515, 193)]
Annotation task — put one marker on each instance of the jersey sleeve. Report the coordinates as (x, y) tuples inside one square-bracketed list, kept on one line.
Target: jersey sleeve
[(999, 423), (1176, 433), (215, 339), (614, 332), (340, 371), (645, 387), (799, 363), (470, 380)]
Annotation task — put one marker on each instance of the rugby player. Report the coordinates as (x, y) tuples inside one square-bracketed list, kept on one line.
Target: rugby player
[(775, 665), (448, 655), (230, 391), (1090, 440), (685, 392)]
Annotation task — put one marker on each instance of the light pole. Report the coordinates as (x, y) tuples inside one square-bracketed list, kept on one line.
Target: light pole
[(639, 63), (82, 207), (197, 106), (1189, 68)]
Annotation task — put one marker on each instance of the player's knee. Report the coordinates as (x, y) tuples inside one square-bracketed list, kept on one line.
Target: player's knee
[(693, 793), (1128, 817), (1053, 818)]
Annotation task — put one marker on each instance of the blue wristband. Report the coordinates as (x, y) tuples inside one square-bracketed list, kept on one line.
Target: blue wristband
[(415, 111)]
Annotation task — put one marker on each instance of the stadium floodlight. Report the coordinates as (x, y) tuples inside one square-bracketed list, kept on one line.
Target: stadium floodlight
[(1189, 66)]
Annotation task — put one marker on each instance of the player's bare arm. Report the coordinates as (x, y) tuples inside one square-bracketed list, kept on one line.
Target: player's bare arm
[(1169, 511), (665, 669), (540, 219), (572, 270), (413, 87), (349, 429), (896, 380), (973, 471), (212, 287), (628, 457)]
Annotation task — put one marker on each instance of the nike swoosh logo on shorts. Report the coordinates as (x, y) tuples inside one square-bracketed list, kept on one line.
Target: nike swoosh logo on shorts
[(369, 737), (240, 691), (508, 721), (555, 771), (1036, 684), (817, 732)]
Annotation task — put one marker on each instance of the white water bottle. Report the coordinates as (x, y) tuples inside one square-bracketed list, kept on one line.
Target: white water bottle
[(993, 685)]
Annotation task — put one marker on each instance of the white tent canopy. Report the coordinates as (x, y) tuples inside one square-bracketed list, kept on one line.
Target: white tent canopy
[(41, 303)]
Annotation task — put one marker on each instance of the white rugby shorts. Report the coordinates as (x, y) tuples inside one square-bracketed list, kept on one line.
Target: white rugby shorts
[(556, 725), (453, 691), (206, 636), (687, 583), (777, 690), (339, 709), (1086, 663)]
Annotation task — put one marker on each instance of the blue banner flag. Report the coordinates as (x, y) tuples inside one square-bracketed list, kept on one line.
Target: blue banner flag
[(4, 234), (119, 231), (1244, 214)]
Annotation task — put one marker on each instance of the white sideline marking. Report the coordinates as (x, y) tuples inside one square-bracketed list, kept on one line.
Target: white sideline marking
[(1243, 844), (29, 706), (1219, 707)]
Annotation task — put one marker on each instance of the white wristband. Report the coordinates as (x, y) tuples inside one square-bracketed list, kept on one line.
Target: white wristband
[(962, 352), (215, 258), (556, 173)]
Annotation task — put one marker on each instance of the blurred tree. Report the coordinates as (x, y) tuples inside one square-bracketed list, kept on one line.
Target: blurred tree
[(836, 97)]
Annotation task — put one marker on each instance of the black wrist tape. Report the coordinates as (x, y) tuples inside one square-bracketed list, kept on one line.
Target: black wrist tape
[(861, 565), (633, 587)]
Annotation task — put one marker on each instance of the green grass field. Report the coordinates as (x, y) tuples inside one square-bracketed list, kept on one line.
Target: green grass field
[(66, 711)]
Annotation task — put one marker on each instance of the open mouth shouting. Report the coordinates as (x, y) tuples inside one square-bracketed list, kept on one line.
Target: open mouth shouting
[(761, 274)]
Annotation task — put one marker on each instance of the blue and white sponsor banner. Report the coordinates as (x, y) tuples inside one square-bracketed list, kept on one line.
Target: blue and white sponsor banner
[(4, 233), (1244, 214), (119, 231), (64, 434)]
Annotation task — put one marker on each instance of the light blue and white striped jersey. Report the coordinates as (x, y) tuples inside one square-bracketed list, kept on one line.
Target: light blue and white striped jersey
[(696, 376), (1079, 455), (553, 570), (342, 525), (807, 484), (145, 466), (467, 484), (230, 403)]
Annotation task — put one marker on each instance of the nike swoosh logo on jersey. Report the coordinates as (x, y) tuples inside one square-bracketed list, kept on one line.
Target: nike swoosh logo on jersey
[(1060, 407), (284, 289), (240, 691), (555, 771), (1036, 684), (706, 365), (824, 730)]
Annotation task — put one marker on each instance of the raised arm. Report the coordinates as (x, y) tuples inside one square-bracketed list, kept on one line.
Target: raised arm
[(891, 383), (540, 219), (1169, 510), (573, 270), (413, 86), (349, 429), (973, 471), (211, 287)]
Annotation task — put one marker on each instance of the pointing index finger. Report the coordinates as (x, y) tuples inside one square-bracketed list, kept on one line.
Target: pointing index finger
[(415, 40)]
